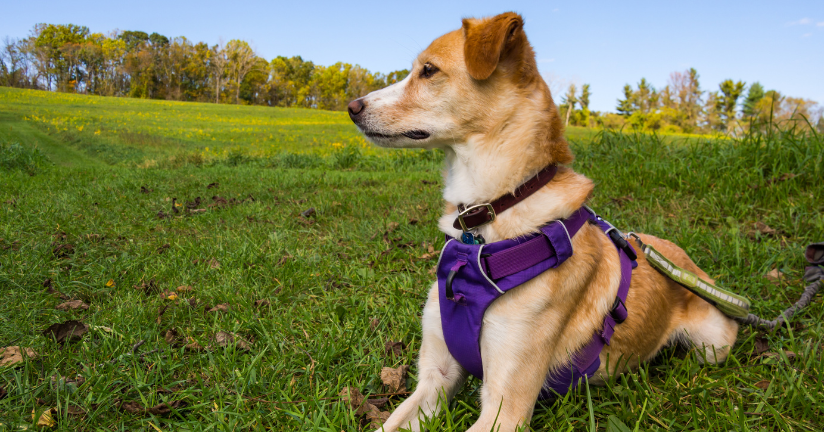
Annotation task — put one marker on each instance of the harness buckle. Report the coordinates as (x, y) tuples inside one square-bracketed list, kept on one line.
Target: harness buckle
[(468, 210), (618, 301)]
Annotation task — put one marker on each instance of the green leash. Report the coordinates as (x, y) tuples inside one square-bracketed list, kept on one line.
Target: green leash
[(731, 304)]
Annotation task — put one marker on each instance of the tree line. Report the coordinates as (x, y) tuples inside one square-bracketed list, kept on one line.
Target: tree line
[(682, 106), (70, 58)]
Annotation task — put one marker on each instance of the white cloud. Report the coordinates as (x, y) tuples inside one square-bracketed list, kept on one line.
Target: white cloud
[(806, 35), (821, 24), (802, 21)]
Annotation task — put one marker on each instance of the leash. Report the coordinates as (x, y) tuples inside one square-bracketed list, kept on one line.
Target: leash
[(814, 274), (733, 305)]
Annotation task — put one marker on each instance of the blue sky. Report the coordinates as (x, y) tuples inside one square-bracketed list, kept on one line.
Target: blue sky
[(605, 44)]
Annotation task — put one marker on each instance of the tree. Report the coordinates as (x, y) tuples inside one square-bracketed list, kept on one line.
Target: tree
[(726, 102), (754, 94), (570, 100), (219, 61), (626, 106), (585, 94), (241, 60)]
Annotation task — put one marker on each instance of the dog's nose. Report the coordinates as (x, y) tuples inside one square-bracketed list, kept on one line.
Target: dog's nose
[(355, 108)]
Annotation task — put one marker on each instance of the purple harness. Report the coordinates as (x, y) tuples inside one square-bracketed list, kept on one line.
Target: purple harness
[(472, 276)]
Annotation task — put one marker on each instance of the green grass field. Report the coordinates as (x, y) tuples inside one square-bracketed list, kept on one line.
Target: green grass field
[(339, 284)]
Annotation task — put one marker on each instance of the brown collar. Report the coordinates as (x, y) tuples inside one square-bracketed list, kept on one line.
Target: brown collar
[(470, 217)]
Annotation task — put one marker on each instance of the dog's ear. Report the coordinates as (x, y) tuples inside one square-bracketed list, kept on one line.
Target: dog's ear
[(486, 42)]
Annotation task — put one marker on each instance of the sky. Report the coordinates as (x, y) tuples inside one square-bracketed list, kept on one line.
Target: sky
[(604, 44)]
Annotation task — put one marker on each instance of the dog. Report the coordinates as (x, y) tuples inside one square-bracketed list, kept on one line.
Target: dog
[(476, 93)]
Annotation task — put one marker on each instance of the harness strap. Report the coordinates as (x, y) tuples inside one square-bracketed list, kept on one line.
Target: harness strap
[(541, 248), (587, 360)]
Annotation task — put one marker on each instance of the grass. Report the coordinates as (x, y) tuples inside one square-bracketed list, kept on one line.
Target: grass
[(342, 283)]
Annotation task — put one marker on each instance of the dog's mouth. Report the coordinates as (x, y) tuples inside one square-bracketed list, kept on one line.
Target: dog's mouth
[(413, 134)]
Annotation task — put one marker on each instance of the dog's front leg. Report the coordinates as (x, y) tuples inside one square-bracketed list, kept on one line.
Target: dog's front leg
[(439, 374), (515, 368)]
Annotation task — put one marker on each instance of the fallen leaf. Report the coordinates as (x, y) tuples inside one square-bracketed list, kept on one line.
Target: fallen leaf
[(774, 275), (46, 419), (166, 408), (393, 347), (262, 302), (374, 324), (392, 227), (223, 307), (12, 355), (308, 212), (379, 402), (305, 221), (145, 190), (185, 288), (163, 248), (62, 250), (761, 345), (763, 384), (430, 255), (376, 417), (789, 354), (168, 295), (197, 211), (72, 305), (193, 345), (69, 331), (213, 263), (172, 337), (191, 205), (213, 185), (413, 221), (132, 407), (225, 339), (74, 410), (395, 378), (3, 392), (110, 283), (355, 399), (427, 182), (148, 287)]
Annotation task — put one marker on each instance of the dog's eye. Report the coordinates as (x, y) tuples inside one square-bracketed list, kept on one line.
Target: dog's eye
[(428, 70)]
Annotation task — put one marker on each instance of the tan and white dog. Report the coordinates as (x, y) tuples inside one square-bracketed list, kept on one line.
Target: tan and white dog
[(476, 93)]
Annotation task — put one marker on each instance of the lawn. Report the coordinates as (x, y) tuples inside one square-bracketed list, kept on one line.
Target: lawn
[(242, 309)]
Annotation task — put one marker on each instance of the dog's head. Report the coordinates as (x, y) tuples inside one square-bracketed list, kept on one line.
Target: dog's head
[(477, 81)]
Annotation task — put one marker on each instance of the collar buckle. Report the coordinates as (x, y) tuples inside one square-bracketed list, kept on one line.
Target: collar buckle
[(473, 210)]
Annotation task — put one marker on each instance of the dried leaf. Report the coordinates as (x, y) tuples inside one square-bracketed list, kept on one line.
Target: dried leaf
[(763, 384), (223, 307), (225, 339), (376, 417), (430, 255), (213, 263), (12, 355), (3, 392), (355, 399), (72, 305), (374, 324), (395, 378), (193, 345), (166, 408), (213, 185), (393, 347), (110, 283), (413, 221), (761, 345), (310, 212), (163, 248), (775, 276), (173, 338), (145, 190), (262, 302), (62, 250), (185, 288), (168, 295), (69, 331), (132, 407), (148, 287), (392, 227), (46, 419)]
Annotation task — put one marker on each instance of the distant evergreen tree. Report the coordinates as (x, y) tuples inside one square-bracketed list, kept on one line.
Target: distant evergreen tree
[(754, 95), (626, 105)]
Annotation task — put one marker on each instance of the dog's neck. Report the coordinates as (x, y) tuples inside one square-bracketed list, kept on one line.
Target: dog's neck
[(477, 172)]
